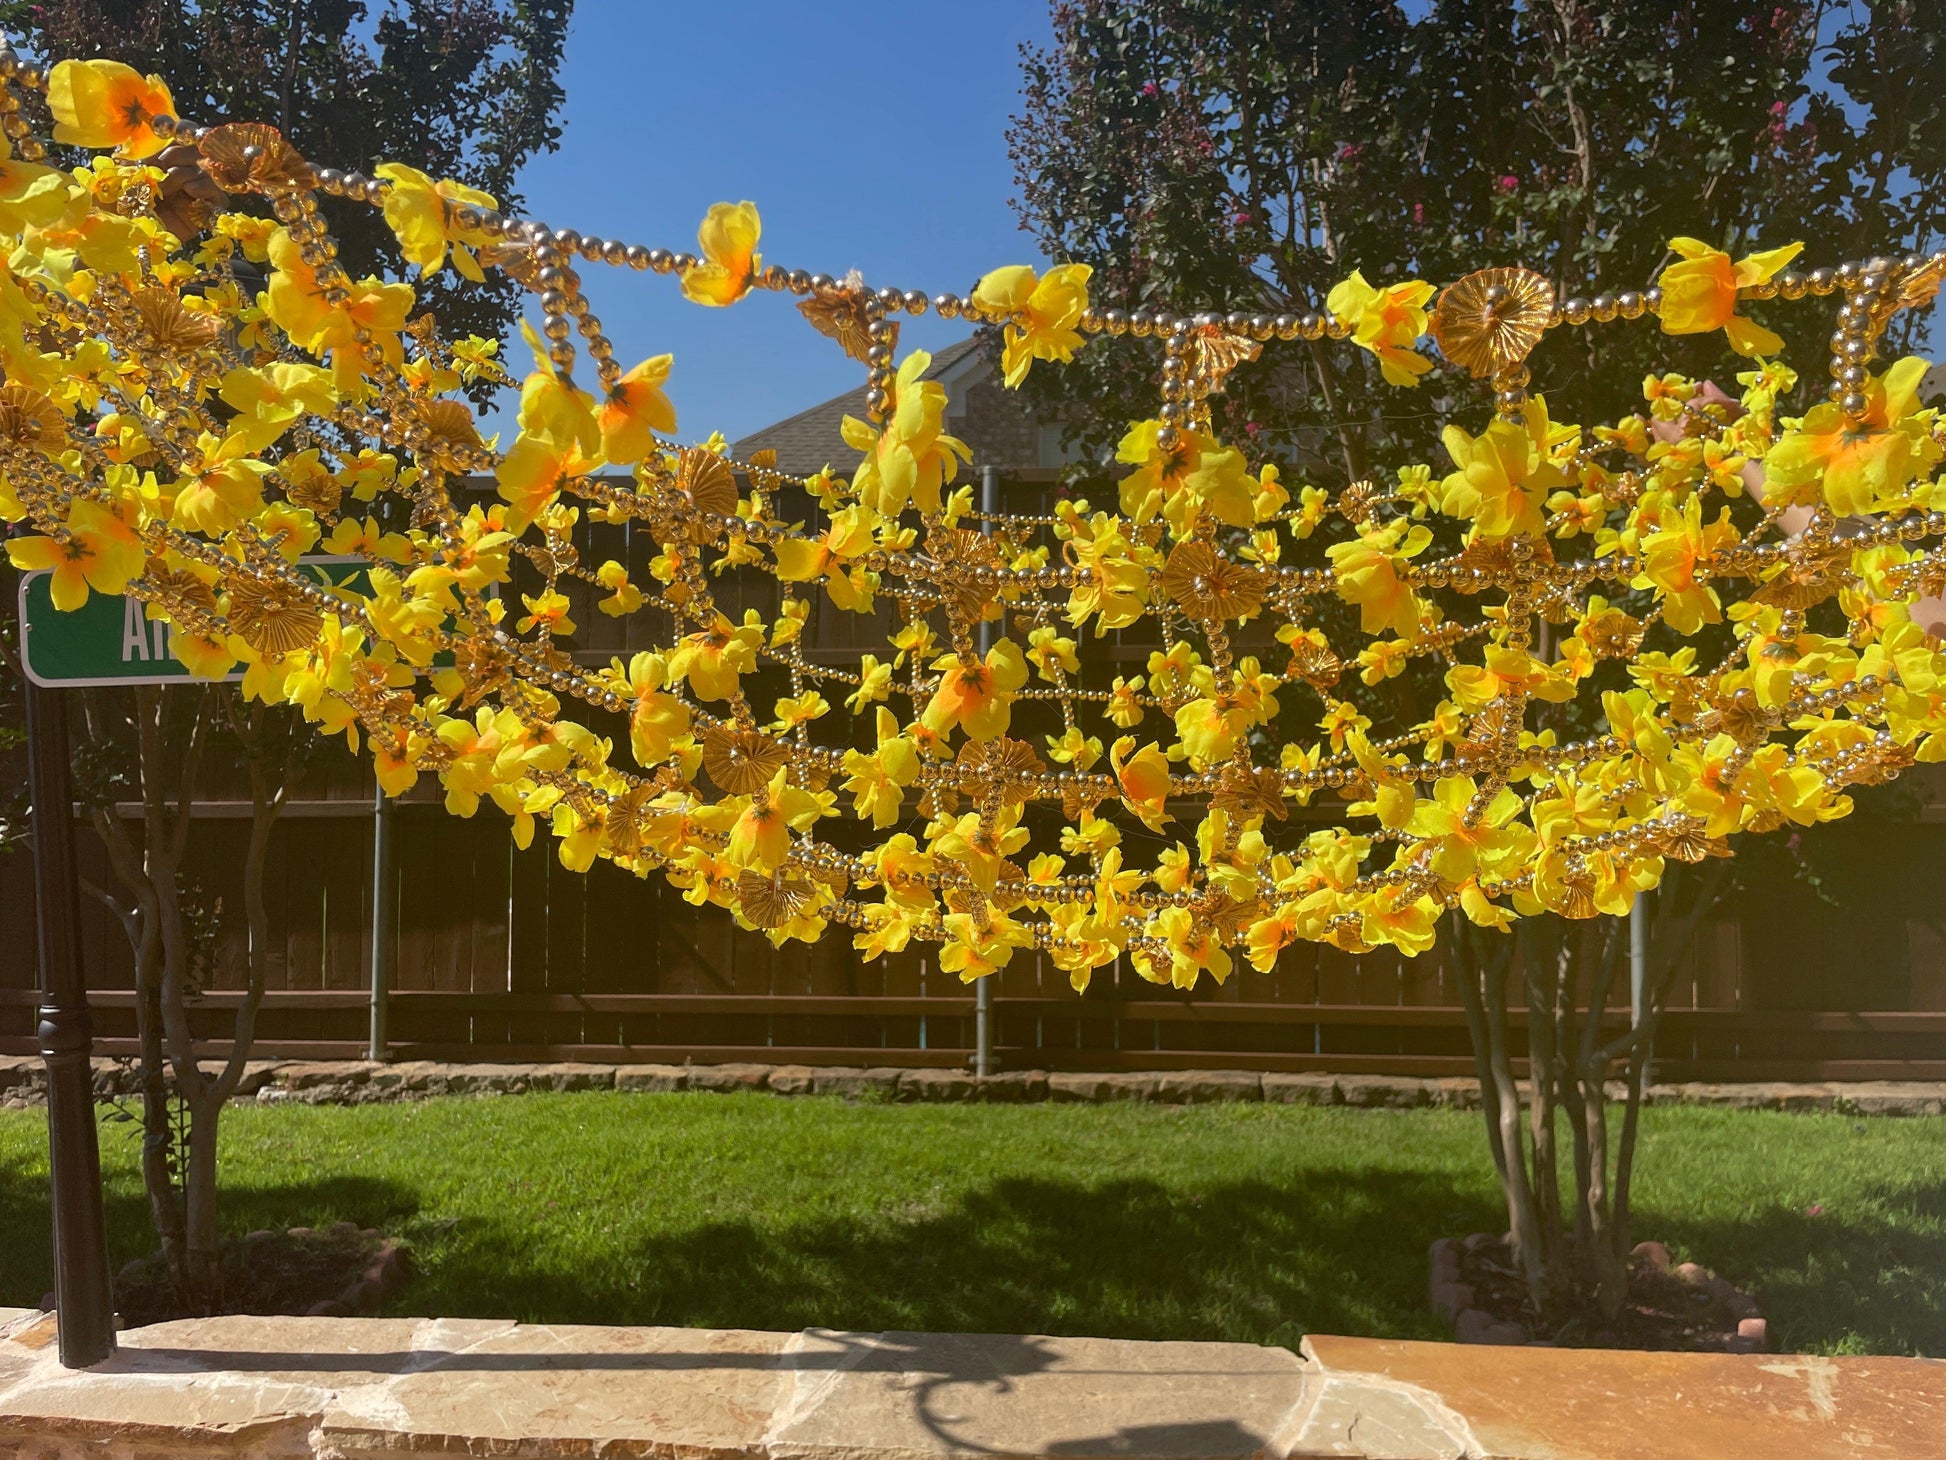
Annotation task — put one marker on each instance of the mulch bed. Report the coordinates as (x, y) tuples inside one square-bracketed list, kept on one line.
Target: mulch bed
[(1682, 1308), (338, 1271)]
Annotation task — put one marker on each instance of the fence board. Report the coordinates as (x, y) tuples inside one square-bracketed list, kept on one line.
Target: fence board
[(505, 955)]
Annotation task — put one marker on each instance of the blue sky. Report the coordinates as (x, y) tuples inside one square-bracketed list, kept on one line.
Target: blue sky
[(870, 134)]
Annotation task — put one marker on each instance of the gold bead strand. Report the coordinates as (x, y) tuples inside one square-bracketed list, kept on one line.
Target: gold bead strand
[(883, 336), (600, 349), (1871, 296), (557, 283), (1175, 380), (19, 132)]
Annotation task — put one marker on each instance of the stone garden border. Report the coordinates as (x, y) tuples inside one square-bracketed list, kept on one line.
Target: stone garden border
[(360, 1082)]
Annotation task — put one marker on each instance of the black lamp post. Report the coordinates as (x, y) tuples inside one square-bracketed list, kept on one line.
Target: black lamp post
[(81, 1292)]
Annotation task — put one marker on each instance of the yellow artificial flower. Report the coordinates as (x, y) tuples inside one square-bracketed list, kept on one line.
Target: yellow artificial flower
[(104, 104), (977, 695), (225, 491), (31, 195), (1369, 575), (1861, 465), (1144, 780), (633, 408), (911, 457), (760, 837), (532, 473), (656, 720), (424, 215), (1504, 475), (1387, 321), (1040, 312), (270, 399), (1673, 557), (713, 659), (731, 263), (97, 550), (1180, 481), (1699, 293), (299, 306), (850, 535)]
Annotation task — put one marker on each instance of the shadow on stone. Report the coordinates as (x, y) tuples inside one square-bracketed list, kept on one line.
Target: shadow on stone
[(1213, 1438)]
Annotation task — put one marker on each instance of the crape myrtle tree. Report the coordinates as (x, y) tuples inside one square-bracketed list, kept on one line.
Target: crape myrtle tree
[(1247, 155), (466, 89), (460, 88)]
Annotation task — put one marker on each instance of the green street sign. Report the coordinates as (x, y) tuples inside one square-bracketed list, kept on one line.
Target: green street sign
[(112, 640)]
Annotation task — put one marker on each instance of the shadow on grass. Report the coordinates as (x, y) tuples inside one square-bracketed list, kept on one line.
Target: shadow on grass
[(1338, 1250), (1335, 1251), (1341, 1251), (26, 1257), (1872, 1281)]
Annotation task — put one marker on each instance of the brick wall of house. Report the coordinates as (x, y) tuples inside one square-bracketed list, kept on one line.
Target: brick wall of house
[(998, 426)]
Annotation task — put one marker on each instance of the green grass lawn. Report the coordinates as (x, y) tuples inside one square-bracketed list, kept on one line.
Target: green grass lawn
[(1247, 1222)]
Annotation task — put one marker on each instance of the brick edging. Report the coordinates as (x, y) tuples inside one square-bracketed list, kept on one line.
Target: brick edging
[(358, 1082)]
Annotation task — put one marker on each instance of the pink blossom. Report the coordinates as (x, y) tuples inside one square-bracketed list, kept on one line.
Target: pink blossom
[(1240, 217), (1508, 182), (1149, 88), (1815, 1209), (1419, 213)]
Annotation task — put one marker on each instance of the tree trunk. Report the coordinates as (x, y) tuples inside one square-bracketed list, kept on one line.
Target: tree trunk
[(207, 1093), (1573, 1262), (140, 919), (202, 1257)]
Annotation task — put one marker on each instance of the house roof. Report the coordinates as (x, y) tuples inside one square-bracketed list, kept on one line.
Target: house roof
[(812, 439)]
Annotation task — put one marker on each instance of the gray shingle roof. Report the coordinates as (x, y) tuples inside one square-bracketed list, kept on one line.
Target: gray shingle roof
[(812, 439)]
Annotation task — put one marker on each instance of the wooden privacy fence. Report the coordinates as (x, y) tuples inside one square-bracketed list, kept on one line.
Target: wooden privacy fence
[(501, 954)]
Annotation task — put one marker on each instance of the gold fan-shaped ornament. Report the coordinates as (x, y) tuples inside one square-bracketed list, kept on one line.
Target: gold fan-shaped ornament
[(1002, 768), (839, 314), (1613, 634), (271, 618), (1250, 791), (172, 327), (514, 258), (450, 425), (1316, 664), (178, 591), (1492, 319), (1208, 585), (741, 762), (484, 666), (705, 487), (771, 900), (1080, 797), (1812, 572), (28, 418), (249, 157)]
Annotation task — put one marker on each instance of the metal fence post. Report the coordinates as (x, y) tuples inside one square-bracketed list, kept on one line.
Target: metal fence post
[(983, 988), (82, 1297), (385, 897), (1638, 976)]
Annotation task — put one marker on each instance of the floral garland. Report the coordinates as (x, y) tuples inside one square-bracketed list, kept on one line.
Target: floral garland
[(197, 395)]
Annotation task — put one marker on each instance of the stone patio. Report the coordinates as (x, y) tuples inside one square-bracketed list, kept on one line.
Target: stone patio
[(362, 1389)]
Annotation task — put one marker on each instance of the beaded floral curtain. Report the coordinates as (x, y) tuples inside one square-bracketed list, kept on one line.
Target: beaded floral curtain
[(1738, 604)]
